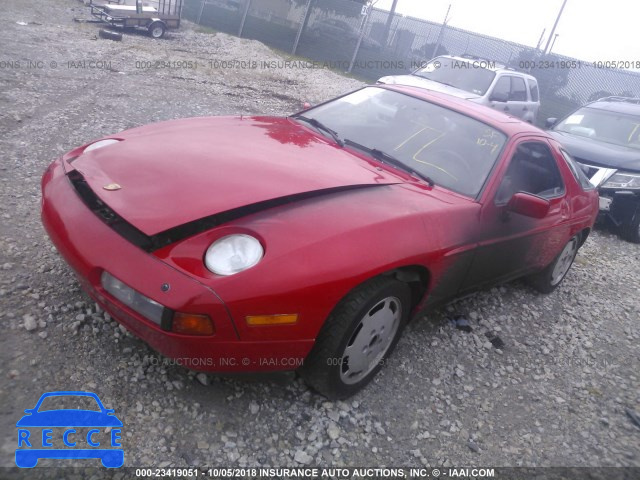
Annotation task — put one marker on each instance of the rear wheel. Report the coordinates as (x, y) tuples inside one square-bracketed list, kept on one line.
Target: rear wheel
[(548, 280), (157, 29), (358, 336)]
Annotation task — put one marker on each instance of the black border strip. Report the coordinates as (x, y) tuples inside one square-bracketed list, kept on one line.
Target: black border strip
[(150, 243)]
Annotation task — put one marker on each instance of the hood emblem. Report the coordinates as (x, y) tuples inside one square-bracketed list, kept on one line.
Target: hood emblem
[(112, 186)]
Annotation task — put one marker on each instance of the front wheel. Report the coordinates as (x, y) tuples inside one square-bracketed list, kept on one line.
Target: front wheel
[(357, 337), (548, 279)]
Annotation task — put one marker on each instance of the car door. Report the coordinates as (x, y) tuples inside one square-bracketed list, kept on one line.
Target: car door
[(518, 104), (509, 94), (512, 244)]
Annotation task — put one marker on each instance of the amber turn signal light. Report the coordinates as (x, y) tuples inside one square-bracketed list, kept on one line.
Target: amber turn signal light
[(192, 324), (256, 320)]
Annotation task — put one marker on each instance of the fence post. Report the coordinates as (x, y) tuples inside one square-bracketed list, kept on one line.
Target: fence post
[(201, 10), (305, 20), (363, 27), (244, 17), (441, 34)]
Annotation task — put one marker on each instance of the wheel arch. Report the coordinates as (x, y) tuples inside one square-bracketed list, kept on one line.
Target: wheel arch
[(417, 277), (584, 234)]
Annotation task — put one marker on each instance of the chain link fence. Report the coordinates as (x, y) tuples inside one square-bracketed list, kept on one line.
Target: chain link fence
[(345, 36)]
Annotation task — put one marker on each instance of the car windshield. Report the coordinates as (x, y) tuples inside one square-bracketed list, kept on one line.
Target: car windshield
[(605, 126), (462, 74), (69, 402), (455, 151)]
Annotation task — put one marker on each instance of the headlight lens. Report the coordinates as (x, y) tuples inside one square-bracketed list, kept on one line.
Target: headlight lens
[(623, 180), (233, 254), (100, 144)]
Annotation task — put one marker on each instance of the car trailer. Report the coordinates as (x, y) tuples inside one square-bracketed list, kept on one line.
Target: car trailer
[(154, 16)]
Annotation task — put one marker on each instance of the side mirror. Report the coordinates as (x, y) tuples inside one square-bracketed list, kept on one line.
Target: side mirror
[(550, 122), (499, 97), (306, 106), (29, 410), (529, 205)]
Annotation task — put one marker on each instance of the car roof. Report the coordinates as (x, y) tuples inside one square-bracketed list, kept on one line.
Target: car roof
[(498, 67), (626, 105), (499, 120)]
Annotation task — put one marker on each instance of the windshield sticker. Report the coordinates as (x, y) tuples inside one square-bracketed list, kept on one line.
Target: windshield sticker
[(574, 120)]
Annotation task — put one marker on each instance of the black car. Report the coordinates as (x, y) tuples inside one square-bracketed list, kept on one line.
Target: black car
[(604, 137)]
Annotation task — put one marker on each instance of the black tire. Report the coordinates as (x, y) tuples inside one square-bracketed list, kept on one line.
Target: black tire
[(157, 29), (110, 35), (326, 369), (630, 229), (549, 279)]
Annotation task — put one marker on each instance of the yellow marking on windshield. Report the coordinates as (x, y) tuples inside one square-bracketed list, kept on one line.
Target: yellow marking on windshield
[(483, 143), (437, 168), (419, 132), (633, 133)]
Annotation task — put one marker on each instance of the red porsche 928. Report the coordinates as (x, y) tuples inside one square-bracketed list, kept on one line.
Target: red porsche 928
[(267, 243)]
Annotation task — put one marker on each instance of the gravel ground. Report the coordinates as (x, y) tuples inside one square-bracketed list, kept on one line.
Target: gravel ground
[(555, 394)]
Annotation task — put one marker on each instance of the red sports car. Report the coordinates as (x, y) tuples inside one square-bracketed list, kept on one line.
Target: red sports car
[(307, 242)]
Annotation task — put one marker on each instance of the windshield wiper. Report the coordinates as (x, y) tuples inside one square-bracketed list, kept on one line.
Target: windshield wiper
[(385, 157), (321, 126)]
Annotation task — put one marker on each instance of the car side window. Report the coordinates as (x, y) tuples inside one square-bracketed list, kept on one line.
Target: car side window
[(503, 86), (518, 90), (533, 90), (533, 169)]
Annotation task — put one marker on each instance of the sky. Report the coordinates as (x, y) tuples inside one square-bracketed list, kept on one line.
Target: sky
[(591, 30)]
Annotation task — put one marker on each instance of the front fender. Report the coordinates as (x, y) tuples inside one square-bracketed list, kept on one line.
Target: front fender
[(318, 250)]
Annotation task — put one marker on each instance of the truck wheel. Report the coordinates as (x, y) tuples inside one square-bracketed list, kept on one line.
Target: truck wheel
[(358, 336), (157, 29), (110, 35), (548, 279), (630, 229)]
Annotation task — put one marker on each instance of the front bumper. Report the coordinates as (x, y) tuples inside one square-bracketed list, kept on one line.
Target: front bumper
[(618, 205), (90, 247)]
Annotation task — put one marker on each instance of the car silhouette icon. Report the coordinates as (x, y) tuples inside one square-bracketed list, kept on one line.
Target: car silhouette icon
[(70, 425)]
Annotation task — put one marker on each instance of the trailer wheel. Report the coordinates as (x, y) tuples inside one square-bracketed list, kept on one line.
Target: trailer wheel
[(110, 35), (157, 29)]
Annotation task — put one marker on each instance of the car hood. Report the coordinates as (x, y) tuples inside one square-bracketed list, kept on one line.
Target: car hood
[(598, 153), (416, 81), (69, 418), (177, 172)]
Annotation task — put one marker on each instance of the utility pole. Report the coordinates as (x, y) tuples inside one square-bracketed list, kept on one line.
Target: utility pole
[(553, 30)]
